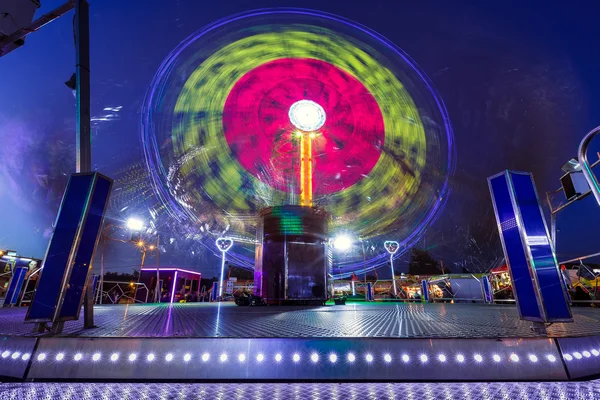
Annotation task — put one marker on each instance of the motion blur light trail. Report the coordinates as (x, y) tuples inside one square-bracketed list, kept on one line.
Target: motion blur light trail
[(220, 146)]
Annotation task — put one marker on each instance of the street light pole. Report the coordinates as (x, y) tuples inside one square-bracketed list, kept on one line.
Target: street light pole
[(221, 276), (392, 247), (362, 242), (393, 277), (223, 244)]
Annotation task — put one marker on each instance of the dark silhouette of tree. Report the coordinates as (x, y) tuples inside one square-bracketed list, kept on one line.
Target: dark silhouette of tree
[(422, 263)]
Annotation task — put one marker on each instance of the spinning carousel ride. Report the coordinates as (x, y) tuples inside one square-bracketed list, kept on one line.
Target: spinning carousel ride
[(287, 110)]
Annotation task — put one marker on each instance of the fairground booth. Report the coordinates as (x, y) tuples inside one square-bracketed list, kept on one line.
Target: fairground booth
[(17, 276), (175, 284)]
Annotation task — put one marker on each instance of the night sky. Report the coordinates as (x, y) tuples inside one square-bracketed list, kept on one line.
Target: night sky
[(520, 82)]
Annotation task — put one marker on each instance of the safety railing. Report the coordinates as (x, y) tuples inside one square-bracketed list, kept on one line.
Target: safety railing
[(119, 291), (590, 177)]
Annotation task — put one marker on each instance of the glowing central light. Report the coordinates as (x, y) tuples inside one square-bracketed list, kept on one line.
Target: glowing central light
[(135, 224), (342, 242), (307, 115)]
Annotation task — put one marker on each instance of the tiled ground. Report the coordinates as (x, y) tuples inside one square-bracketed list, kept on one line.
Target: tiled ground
[(125, 391), (357, 320)]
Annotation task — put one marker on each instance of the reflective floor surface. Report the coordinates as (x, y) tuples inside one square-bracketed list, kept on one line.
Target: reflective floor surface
[(417, 391), (414, 320)]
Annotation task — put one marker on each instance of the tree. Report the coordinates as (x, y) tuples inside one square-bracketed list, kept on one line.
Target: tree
[(117, 277), (422, 263)]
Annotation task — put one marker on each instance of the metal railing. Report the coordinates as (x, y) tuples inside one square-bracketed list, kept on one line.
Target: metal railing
[(115, 293), (26, 294), (590, 177), (383, 289)]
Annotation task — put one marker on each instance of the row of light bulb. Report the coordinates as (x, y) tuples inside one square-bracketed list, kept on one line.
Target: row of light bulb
[(314, 357), (296, 357), (579, 356)]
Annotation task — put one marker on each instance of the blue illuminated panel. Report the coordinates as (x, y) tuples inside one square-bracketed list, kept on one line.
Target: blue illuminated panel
[(60, 252), (90, 233), (514, 250), (487, 289), (425, 289), (60, 286), (15, 286), (544, 263), (214, 291)]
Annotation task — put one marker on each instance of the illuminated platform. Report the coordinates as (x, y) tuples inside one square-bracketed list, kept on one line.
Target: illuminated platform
[(362, 342)]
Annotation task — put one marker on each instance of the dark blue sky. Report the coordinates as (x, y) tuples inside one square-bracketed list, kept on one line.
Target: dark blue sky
[(520, 83)]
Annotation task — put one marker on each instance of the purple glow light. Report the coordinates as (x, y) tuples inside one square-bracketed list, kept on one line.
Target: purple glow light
[(174, 284), (173, 269)]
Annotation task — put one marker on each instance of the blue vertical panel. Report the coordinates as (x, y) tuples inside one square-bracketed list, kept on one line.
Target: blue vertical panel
[(61, 249), (88, 241), (526, 296), (15, 286), (487, 289), (214, 291), (369, 291), (539, 249), (425, 289)]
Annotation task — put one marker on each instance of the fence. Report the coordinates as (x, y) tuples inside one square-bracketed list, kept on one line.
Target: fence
[(119, 292)]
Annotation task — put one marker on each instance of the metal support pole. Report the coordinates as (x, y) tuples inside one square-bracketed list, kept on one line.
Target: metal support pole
[(553, 230), (221, 278), (83, 138), (157, 291), (393, 280), (82, 43), (142, 265), (364, 266), (27, 284), (101, 280)]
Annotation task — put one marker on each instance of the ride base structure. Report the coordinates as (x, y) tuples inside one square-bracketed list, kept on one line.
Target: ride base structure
[(291, 261)]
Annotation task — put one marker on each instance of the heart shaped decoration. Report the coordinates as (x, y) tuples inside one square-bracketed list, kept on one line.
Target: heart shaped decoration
[(391, 246), (224, 244)]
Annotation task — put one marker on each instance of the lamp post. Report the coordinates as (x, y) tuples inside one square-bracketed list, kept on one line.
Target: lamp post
[(392, 247), (144, 249), (344, 243), (132, 225), (136, 225), (362, 242), (223, 244)]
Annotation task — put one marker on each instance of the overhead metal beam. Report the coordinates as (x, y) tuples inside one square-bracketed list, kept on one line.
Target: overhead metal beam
[(7, 44)]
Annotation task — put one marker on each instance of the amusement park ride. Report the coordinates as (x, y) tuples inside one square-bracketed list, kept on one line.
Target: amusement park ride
[(323, 81), (291, 252)]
